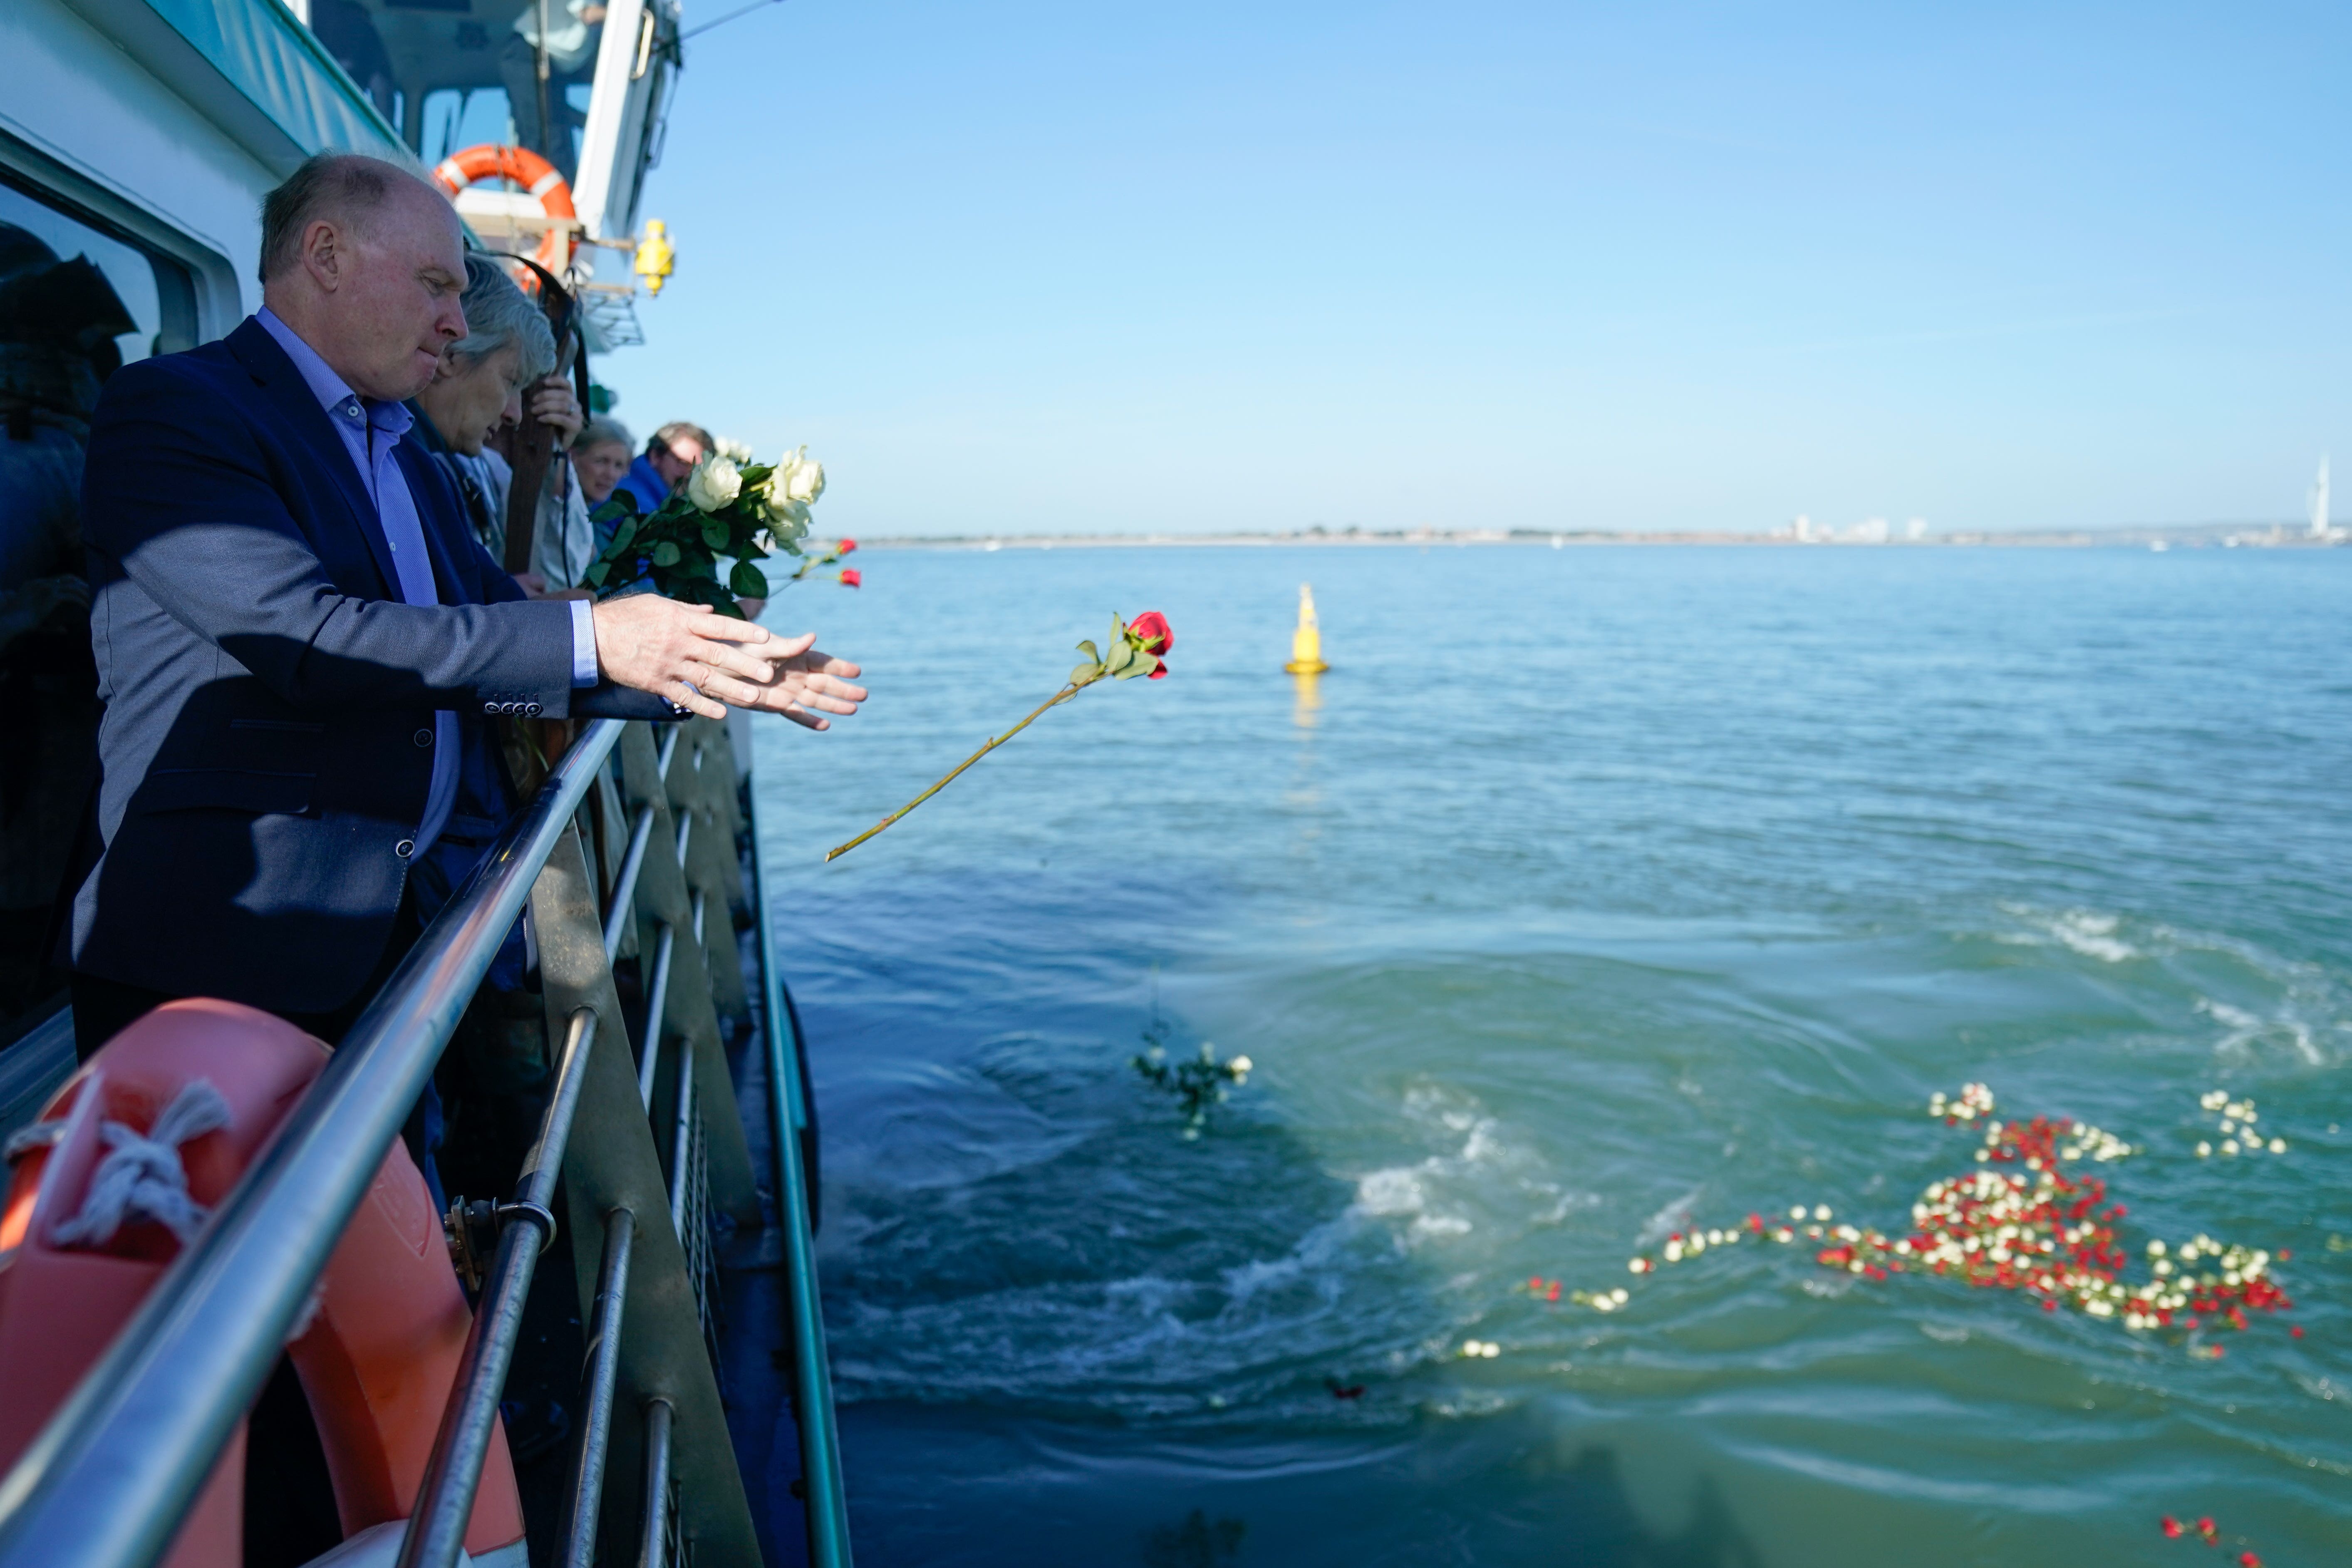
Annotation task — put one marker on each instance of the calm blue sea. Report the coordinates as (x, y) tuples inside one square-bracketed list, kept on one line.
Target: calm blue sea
[(1595, 893)]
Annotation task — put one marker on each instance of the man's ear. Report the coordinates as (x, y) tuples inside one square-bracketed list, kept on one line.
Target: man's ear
[(323, 255)]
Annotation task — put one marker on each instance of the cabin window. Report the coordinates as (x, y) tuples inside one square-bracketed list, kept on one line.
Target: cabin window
[(458, 117), (77, 302)]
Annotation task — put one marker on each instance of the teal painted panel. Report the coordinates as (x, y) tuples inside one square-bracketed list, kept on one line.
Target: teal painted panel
[(274, 61)]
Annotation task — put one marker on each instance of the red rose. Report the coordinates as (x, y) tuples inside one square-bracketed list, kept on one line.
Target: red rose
[(1152, 630), (2171, 1528), (850, 577), (844, 547)]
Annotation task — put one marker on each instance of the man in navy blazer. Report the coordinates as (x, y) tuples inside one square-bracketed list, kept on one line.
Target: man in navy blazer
[(298, 637)]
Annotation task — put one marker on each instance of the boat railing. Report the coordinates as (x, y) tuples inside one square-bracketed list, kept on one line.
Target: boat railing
[(628, 850)]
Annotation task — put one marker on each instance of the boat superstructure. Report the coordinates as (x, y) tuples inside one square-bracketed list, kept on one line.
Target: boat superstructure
[(137, 138)]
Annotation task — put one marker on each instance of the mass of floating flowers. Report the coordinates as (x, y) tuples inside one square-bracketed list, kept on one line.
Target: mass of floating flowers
[(2237, 1128), (2205, 1530), (2027, 1219)]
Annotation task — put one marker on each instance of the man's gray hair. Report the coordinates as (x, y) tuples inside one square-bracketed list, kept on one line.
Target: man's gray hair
[(673, 430), (343, 187), (498, 314), (601, 429)]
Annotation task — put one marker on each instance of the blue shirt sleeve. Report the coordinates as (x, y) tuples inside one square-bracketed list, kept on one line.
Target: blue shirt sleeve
[(584, 642)]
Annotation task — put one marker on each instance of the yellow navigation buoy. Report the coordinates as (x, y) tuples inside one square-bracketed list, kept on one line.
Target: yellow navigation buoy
[(1306, 642), (657, 258)]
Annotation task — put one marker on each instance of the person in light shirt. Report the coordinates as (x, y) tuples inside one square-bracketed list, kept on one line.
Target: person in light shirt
[(575, 28)]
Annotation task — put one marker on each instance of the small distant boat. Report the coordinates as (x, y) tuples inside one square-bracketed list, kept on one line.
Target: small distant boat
[(2319, 528), (2160, 545)]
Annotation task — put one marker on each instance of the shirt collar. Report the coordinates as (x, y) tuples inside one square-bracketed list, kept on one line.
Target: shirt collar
[(333, 393)]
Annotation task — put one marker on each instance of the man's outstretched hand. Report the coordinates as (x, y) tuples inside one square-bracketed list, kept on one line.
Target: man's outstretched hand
[(704, 661)]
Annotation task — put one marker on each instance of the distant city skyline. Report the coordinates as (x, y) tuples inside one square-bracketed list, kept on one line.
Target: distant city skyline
[(1050, 269)]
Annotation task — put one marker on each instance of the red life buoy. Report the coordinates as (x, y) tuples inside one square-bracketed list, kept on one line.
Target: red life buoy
[(526, 168), (379, 1352)]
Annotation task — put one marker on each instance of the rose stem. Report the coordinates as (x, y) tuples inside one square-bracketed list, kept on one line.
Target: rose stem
[(1062, 696)]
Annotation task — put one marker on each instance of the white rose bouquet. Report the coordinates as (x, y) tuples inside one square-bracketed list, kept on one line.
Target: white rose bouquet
[(727, 508)]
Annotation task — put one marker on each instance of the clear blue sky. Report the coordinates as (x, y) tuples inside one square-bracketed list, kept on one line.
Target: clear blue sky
[(1063, 267)]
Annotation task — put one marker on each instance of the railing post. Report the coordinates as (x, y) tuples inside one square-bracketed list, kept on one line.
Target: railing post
[(579, 1549), (444, 1500)]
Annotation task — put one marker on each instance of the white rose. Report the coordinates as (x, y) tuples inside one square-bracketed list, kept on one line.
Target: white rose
[(734, 451), (714, 484), (807, 482), (795, 480)]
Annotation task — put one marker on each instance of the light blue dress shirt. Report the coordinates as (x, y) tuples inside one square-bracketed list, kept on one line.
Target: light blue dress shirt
[(371, 431)]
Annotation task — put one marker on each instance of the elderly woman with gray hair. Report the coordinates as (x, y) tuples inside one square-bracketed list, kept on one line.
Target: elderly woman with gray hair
[(479, 390)]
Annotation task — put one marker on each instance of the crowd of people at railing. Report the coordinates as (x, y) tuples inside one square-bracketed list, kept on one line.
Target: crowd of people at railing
[(256, 619), (268, 672)]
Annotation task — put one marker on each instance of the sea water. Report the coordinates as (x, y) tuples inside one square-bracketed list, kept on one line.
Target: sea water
[(1594, 895)]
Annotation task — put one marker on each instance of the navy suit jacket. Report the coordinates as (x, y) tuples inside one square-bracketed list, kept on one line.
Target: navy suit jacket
[(269, 698)]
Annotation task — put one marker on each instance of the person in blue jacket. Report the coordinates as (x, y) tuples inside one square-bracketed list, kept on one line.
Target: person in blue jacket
[(666, 462), (299, 640)]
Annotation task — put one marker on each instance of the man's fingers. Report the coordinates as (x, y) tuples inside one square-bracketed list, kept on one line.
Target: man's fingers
[(805, 720), (728, 629), (741, 693), (748, 666), (833, 696), (686, 697), (830, 704)]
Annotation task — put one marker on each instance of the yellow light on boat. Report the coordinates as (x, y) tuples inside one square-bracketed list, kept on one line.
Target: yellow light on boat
[(1306, 642), (655, 259)]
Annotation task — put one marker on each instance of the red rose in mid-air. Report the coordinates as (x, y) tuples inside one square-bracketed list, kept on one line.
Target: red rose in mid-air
[(844, 547), (851, 576), (1124, 657), (1152, 628)]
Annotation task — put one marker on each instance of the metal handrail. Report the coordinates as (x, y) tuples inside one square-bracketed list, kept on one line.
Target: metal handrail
[(105, 1483), (829, 1507), (445, 1500)]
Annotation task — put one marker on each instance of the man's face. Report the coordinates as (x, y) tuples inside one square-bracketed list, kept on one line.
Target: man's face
[(676, 461), (471, 398), (391, 283)]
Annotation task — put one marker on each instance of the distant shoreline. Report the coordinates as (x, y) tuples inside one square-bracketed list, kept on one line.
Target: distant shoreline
[(2257, 536)]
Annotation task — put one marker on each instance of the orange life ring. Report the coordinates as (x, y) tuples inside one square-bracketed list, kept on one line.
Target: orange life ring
[(526, 168), (379, 1352)]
